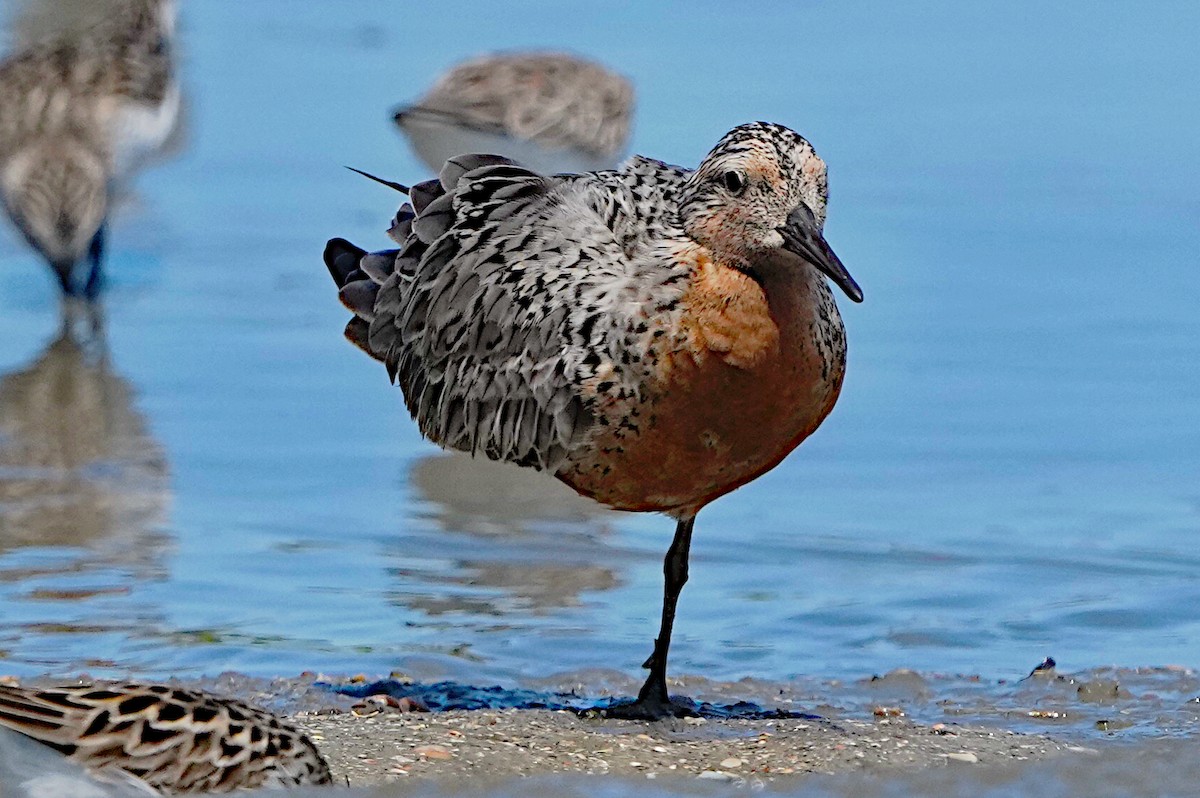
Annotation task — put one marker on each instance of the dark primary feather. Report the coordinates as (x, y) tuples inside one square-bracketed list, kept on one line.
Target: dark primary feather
[(454, 168), (424, 193), (379, 265), (402, 224), (435, 219), (359, 298), (341, 258), (355, 286)]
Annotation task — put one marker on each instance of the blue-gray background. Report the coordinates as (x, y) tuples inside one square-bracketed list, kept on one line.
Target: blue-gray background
[(1010, 471)]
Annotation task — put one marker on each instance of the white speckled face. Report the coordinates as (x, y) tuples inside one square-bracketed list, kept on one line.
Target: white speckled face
[(762, 190), (746, 188)]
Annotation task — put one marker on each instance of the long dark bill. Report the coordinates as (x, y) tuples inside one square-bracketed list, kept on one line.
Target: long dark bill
[(802, 237)]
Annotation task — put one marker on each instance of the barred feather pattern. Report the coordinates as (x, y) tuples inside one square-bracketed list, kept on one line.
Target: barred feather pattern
[(175, 740), (547, 320), (514, 317)]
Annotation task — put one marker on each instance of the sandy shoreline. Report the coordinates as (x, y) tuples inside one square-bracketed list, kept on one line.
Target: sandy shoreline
[(487, 744), (456, 750)]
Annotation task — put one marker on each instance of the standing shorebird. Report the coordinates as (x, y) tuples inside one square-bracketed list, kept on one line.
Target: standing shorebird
[(552, 112), (80, 109), (655, 337), (174, 740)]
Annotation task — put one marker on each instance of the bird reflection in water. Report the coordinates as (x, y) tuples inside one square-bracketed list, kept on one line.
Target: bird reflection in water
[(78, 467), (511, 530), (88, 96), (552, 112)]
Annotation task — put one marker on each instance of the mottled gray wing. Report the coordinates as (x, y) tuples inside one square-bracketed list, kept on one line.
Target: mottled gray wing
[(478, 315)]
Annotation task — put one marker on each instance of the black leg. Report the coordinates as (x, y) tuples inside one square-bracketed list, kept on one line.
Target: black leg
[(653, 702), (91, 288), (63, 272)]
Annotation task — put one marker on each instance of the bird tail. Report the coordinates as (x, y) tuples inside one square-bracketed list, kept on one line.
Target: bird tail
[(368, 282), (357, 288)]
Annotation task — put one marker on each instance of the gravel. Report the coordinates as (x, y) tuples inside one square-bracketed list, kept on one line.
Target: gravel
[(463, 746)]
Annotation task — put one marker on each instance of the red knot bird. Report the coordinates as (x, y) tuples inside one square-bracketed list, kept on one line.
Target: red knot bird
[(552, 112), (653, 336), (83, 107), (173, 739)]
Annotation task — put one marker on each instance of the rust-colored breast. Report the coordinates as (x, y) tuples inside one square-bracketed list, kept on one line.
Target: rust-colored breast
[(726, 316), (751, 370)]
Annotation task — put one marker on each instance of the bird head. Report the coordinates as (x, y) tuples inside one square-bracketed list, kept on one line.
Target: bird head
[(761, 192)]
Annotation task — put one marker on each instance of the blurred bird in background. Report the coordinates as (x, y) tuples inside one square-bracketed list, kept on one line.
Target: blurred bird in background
[(551, 112), (88, 95)]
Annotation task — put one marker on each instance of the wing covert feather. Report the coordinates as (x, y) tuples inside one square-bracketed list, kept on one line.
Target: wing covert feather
[(518, 315)]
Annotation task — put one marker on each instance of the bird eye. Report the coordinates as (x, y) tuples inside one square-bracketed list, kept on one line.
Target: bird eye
[(735, 182)]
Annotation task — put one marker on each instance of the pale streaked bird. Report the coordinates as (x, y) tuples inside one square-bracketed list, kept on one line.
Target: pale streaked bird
[(175, 740), (653, 336), (550, 111), (81, 108)]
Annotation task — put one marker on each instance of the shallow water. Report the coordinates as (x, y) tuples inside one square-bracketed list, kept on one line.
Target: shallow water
[(1009, 474)]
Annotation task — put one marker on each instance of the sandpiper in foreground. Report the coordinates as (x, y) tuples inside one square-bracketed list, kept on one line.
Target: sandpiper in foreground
[(173, 739)]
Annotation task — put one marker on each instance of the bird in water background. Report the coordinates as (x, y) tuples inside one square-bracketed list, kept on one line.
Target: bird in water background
[(550, 111), (87, 97), (653, 336)]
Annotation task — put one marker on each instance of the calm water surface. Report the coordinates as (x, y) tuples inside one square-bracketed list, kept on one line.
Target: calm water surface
[(1010, 473)]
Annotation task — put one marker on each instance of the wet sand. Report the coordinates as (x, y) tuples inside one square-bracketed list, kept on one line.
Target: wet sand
[(476, 745), (886, 746), (898, 727)]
